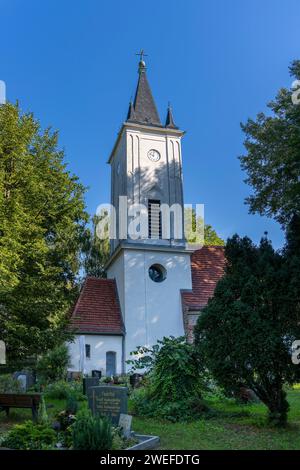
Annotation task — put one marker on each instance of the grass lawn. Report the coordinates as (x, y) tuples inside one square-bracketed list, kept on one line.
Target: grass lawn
[(234, 427)]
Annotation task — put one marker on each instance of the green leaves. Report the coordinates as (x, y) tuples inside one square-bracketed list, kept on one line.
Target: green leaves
[(42, 227), (244, 335), (272, 162)]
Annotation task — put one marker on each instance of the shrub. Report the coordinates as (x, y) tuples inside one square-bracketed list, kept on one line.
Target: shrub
[(174, 385), (244, 335), (61, 390), (43, 415), (71, 405), (65, 420), (91, 432), (8, 384), (53, 365), (29, 436)]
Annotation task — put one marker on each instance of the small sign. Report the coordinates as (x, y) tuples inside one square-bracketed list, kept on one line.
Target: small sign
[(108, 400), (125, 424)]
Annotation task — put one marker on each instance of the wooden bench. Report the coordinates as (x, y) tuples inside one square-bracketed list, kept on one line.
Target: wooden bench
[(20, 400)]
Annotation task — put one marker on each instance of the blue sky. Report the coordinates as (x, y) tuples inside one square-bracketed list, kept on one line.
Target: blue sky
[(219, 62)]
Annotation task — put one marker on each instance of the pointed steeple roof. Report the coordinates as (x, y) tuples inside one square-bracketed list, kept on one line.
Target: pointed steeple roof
[(169, 119), (143, 110), (131, 112)]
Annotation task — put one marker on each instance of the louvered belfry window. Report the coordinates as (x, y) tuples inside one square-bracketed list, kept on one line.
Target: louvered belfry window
[(154, 219)]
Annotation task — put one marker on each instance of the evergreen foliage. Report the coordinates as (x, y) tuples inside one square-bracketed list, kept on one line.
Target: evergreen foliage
[(245, 333)]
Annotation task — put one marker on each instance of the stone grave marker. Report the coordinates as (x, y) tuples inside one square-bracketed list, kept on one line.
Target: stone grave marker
[(125, 424), (108, 400), (88, 382)]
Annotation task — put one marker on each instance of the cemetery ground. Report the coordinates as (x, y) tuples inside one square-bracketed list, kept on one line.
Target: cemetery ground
[(231, 426)]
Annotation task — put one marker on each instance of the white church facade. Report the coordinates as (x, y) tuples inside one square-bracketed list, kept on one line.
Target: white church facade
[(155, 287)]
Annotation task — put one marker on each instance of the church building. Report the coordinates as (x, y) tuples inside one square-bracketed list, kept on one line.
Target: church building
[(155, 287)]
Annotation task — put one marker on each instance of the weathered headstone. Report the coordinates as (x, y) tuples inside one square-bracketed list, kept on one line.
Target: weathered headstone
[(88, 382), (25, 378), (125, 424), (108, 400)]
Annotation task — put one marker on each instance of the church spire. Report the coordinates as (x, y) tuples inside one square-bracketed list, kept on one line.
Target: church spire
[(131, 113), (169, 119), (143, 110)]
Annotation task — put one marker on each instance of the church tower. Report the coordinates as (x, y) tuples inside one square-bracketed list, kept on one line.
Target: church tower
[(150, 269)]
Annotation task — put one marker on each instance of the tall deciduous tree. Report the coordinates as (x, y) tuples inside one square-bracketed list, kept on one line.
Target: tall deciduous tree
[(245, 334), (272, 162), (42, 227), (97, 251)]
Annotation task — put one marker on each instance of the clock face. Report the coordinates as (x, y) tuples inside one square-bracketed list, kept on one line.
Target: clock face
[(153, 155)]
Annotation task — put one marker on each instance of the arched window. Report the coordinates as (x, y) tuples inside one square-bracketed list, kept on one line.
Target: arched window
[(111, 357)]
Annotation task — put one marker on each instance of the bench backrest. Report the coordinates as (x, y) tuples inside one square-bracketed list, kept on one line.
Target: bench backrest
[(21, 400)]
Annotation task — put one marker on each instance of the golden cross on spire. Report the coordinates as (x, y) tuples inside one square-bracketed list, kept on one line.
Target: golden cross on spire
[(141, 54)]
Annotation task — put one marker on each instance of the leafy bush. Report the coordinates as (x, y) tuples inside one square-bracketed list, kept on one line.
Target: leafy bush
[(71, 405), (65, 420), (29, 436), (91, 432), (61, 390), (43, 415), (9, 385), (53, 365), (174, 385)]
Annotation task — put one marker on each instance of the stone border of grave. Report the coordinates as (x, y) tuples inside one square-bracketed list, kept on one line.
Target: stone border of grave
[(145, 442)]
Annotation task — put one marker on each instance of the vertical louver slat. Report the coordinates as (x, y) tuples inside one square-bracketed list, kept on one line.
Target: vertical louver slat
[(154, 219)]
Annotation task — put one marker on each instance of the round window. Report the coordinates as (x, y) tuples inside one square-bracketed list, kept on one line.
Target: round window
[(157, 273)]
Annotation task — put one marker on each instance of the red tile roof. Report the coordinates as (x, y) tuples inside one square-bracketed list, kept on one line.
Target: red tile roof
[(97, 309), (207, 268)]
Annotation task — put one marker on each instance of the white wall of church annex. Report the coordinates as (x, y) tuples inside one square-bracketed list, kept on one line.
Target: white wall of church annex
[(100, 344)]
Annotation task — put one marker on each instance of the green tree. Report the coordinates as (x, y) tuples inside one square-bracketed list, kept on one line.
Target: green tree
[(174, 383), (272, 162), (200, 232), (245, 333), (42, 228), (97, 251)]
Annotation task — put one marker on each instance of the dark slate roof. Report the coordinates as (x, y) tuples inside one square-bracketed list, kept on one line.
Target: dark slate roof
[(131, 113), (145, 111), (170, 120), (208, 265), (97, 310)]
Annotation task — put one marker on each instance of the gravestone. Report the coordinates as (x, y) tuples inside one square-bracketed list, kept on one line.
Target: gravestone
[(25, 378), (108, 400), (125, 424), (88, 382)]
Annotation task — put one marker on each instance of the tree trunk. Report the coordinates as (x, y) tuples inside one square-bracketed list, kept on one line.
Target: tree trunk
[(278, 407)]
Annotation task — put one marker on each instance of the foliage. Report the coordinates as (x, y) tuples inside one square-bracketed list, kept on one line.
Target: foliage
[(175, 383), (42, 414), (71, 404), (9, 384), (96, 251), (65, 419), (61, 390), (244, 335), (144, 357), (29, 436), (52, 366), (272, 161), (199, 233), (42, 228), (91, 432)]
